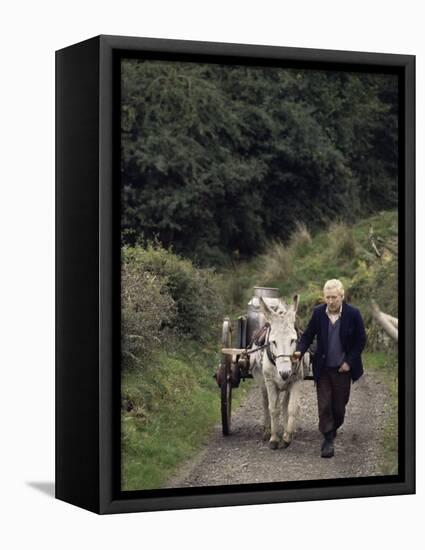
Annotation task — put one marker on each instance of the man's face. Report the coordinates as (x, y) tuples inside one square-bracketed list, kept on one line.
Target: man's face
[(333, 299)]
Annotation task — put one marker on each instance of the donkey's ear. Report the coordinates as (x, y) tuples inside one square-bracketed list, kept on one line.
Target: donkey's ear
[(296, 302), (282, 307), (265, 310)]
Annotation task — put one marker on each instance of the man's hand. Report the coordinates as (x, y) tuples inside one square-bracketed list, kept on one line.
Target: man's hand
[(296, 356), (345, 367)]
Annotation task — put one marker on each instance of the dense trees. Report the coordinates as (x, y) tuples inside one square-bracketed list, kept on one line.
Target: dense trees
[(215, 159)]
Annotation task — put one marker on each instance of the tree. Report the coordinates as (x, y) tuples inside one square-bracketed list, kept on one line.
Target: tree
[(220, 158)]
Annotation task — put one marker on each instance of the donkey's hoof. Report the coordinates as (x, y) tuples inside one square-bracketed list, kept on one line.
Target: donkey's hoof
[(266, 435), (285, 444), (273, 445)]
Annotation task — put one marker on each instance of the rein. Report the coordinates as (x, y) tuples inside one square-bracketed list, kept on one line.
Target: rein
[(246, 352), (260, 335)]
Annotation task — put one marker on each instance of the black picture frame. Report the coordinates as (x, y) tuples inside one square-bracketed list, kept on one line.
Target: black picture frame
[(87, 275)]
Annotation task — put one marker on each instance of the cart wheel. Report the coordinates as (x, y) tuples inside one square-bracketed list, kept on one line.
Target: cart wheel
[(226, 382)]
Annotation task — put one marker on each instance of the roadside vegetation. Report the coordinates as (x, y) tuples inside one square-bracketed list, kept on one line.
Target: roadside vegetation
[(171, 318)]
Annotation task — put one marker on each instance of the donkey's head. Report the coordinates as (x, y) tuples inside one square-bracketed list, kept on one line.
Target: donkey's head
[(282, 336)]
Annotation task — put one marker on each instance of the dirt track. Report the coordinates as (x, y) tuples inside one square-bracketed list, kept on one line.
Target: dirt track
[(243, 457)]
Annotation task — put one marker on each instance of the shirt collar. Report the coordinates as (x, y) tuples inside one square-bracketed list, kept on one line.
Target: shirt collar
[(336, 315)]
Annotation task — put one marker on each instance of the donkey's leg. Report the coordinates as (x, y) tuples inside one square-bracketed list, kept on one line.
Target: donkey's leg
[(273, 395), (266, 412), (285, 401), (293, 412)]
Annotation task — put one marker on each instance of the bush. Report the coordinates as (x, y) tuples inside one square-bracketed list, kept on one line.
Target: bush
[(195, 292), (146, 308)]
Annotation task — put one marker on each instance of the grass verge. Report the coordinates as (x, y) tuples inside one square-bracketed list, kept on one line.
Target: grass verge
[(176, 403), (385, 366)]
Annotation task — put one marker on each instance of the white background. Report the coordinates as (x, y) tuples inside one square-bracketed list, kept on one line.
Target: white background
[(30, 32)]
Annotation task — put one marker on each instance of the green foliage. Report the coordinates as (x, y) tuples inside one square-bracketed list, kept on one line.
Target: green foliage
[(220, 159), (193, 293), (171, 313), (146, 308), (175, 404)]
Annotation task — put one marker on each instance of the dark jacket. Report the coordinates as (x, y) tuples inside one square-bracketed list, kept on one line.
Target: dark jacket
[(352, 334)]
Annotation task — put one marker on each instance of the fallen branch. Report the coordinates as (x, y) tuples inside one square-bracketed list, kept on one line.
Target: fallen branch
[(388, 323), (392, 320), (375, 241), (372, 241)]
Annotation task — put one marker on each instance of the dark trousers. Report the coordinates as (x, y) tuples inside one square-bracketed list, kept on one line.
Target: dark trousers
[(333, 393)]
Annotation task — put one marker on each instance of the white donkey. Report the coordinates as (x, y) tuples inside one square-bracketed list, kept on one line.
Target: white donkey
[(277, 373)]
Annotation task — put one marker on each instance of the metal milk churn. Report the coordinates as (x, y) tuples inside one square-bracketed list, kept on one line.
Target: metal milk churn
[(255, 319)]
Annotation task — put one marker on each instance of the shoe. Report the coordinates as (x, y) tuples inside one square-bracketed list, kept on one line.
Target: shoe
[(327, 450), (328, 436)]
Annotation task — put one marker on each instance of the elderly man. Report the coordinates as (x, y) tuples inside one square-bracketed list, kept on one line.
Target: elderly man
[(341, 338)]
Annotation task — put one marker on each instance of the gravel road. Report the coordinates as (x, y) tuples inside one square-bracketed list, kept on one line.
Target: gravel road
[(243, 457)]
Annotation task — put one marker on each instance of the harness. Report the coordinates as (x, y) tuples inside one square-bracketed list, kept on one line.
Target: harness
[(261, 339)]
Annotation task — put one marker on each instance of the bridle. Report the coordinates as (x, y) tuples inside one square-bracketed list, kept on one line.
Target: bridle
[(272, 357), (264, 331)]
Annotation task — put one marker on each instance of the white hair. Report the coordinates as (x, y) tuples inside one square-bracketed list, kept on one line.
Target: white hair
[(334, 283)]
